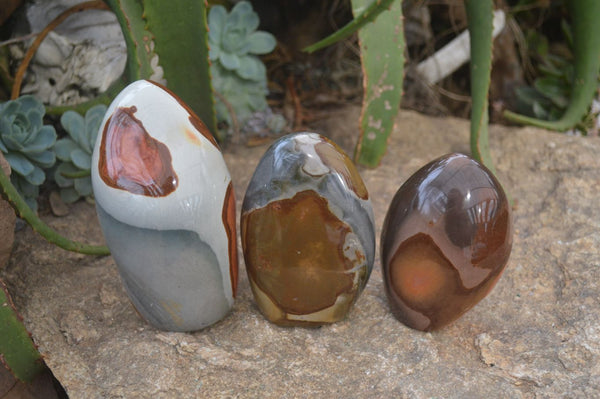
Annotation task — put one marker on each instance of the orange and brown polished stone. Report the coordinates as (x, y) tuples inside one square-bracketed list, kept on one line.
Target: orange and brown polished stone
[(307, 232), (445, 241)]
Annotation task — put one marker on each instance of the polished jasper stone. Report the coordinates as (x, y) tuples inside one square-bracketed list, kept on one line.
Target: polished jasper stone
[(165, 202), (307, 232), (445, 241)]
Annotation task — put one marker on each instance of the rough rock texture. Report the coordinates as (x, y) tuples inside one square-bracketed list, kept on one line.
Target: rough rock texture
[(536, 335), (7, 221)]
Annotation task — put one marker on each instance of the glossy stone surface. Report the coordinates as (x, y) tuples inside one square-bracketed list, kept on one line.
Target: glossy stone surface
[(308, 232), (165, 202), (445, 241)]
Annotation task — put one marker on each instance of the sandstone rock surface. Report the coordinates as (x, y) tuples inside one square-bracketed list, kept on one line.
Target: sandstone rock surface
[(536, 335)]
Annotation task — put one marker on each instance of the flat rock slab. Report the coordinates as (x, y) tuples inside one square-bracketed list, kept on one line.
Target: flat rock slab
[(536, 335)]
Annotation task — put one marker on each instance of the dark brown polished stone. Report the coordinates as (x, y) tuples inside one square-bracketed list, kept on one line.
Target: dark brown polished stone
[(445, 241)]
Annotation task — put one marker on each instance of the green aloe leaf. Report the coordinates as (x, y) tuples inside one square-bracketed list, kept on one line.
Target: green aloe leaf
[(130, 15), (586, 46), (383, 73), (364, 12), (480, 17), (180, 32), (17, 350)]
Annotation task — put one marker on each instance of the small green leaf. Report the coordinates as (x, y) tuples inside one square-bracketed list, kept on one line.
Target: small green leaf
[(249, 19), (73, 123), (252, 68), (44, 139), (61, 172), (244, 17), (19, 163), (83, 186), (216, 17), (81, 159), (64, 147), (44, 159), (261, 42), (36, 177), (30, 103), (229, 61), (214, 52), (69, 195)]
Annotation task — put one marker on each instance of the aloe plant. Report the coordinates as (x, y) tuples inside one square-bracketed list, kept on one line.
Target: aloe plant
[(480, 19), (26, 144), (17, 350), (375, 128), (75, 151), (383, 75), (168, 42)]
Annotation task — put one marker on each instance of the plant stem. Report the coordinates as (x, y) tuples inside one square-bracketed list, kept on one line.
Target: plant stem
[(42, 228), (369, 14)]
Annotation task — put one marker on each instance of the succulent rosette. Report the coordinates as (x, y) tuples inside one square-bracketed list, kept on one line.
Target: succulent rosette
[(26, 144), (75, 153), (238, 73)]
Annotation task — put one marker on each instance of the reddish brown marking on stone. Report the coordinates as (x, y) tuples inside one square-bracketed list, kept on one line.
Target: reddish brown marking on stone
[(228, 216), (131, 160), (294, 251), (335, 158), (422, 280), (194, 120)]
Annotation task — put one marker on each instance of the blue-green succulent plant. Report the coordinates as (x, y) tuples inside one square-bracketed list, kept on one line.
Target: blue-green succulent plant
[(26, 144), (237, 72), (75, 153)]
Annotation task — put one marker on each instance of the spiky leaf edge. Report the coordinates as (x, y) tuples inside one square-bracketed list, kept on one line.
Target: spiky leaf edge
[(180, 33)]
